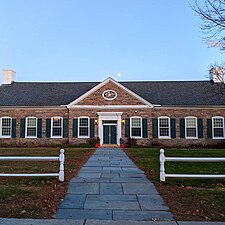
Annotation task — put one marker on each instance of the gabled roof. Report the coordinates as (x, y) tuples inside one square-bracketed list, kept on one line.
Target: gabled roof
[(145, 102), (168, 93)]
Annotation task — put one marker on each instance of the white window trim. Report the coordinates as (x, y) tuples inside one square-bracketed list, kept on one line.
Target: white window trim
[(136, 137), (78, 127), (32, 117), (5, 117), (164, 137), (56, 117), (196, 127), (218, 117)]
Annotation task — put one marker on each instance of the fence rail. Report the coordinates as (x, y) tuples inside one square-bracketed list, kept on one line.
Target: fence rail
[(60, 158), (163, 159)]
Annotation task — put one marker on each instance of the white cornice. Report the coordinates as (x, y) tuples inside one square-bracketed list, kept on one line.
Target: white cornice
[(101, 85), (110, 107), (31, 107), (190, 107), (109, 113)]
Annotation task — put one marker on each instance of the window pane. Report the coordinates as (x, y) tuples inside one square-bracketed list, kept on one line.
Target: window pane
[(163, 122), (136, 122), (31, 127), (218, 132), (57, 127), (218, 122), (190, 122), (191, 132), (31, 131), (6, 126), (6, 122), (57, 131), (6, 131), (164, 132), (164, 127), (191, 127), (31, 122), (136, 132), (109, 122), (84, 122), (83, 131), (57, 122), (83, 126)]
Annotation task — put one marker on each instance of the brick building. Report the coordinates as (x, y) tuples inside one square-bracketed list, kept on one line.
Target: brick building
[(163, 113)]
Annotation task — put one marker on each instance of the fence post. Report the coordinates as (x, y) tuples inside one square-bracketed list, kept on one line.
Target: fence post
[(162, 167), (61, 166)]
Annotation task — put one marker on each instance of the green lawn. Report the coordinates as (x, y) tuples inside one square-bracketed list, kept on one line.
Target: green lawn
[(36, 197), (192, 199)]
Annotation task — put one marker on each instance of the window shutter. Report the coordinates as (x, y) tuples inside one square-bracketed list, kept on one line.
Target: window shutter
[(155, 127), (92, 127), (173, 128), (144, 128), (209, 128), (39, 128), (65, 127), (13, 128), (182, 128), (75, 128), (127, 127), (22, 128), (200, 128), (48, 128)]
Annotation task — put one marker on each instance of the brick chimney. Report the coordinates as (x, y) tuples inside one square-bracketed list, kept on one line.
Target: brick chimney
[(216, 74), (8, 76)]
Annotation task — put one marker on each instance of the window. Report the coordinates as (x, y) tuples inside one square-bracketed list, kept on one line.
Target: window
[(191, 127), (56, 127), (136, 127), (31, 127), (218, 127), (164, 127), (6, 127), (83, 130)]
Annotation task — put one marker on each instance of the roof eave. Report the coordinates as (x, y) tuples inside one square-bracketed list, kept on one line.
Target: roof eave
[(33, 107), (190, 106)]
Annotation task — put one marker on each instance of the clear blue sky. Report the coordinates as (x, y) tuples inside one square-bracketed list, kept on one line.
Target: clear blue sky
[(90, 40)]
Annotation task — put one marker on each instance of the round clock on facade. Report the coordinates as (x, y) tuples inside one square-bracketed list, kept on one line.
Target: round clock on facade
[(109, 94)]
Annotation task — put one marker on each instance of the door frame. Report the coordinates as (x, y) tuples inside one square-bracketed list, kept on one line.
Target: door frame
[(109, 116)]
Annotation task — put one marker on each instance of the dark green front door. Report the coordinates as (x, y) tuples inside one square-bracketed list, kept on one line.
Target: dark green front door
[(109, 134)]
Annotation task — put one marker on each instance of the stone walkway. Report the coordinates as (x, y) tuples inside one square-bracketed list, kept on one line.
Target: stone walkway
[(110, 187)]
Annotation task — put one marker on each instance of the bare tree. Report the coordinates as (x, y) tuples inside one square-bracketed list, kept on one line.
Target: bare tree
[(216, 75), (212, 13)]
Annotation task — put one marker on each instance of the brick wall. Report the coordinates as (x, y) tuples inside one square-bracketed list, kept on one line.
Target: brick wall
[(39, 113), (182, 113), (127, 113), (123, 98), (92, 113)]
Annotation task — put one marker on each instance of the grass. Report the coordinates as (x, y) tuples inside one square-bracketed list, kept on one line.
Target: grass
[(188, 199), (36, 197)]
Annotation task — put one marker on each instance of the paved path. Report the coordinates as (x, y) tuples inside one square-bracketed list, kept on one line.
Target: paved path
[(6, 221), (110, 187)]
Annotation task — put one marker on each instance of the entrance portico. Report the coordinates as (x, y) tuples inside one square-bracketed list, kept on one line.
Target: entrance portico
[(109, 127)]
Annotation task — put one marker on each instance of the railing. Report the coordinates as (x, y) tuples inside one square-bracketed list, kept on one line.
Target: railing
[(163, 159), (60, 158)]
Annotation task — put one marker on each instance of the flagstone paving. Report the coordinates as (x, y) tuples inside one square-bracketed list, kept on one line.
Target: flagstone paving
[(111, 187)]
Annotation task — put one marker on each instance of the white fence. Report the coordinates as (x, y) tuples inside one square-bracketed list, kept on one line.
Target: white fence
[(60, 158), (163, 159)]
